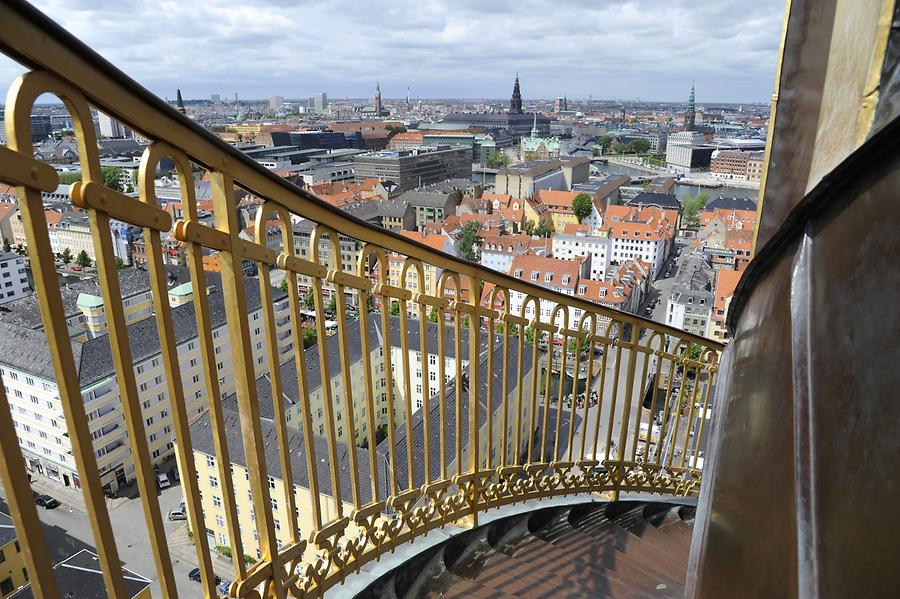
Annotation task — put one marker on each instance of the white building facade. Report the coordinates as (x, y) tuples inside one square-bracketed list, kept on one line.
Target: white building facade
[(13, 280)]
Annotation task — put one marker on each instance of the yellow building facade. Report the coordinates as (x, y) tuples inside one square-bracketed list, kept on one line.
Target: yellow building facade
[(13, 573)]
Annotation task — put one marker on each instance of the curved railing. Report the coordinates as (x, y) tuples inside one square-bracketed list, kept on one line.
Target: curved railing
[(483, 436)]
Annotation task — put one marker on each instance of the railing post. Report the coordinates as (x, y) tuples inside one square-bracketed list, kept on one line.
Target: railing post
[(474, 386)]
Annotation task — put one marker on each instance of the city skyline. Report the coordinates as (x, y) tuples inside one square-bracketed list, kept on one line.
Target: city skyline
[(602, 50)]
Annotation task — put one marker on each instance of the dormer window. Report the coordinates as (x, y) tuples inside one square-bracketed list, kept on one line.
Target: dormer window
[(603, 292), (534, 275), (548, 277), (566, 279), (582, 289), (518, 273)]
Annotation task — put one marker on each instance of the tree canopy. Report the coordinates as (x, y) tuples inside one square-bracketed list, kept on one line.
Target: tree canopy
[(639, 146), (111, 177), (692, 206), (83, 260), (497, 159), (582, 206), (468, 240)]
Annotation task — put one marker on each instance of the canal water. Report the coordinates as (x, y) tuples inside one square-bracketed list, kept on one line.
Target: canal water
[(681, 190)]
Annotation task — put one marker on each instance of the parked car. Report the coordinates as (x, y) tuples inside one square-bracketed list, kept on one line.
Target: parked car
[(163, 481), (195, 576), (46, 502), (223, 588), (178, 513), (76, 268)]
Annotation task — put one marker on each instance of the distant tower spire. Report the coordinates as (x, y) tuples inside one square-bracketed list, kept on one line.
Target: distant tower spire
[(180, 102), (408, 105), (515, 103), (534, 131), (691, 116), (377, 98)]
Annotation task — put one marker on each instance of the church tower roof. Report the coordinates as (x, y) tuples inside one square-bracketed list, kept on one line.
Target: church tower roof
[(691, 115), (515, 103)]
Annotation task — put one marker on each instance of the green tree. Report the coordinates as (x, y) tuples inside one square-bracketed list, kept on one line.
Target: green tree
[(395, 129), (395, 309), (692, 205), (69, 178), (468, 240), (619, 148), (639, 146), (529, 226), (573, 344), (309, 337), (604, 141), (120, 264), (284, 285), (529, 335), (332, 304), (112, 177), (310, 300), (498, 159), (7, 246), (66, 256), (582, 206), (83, 260), (370, 302), (596, 151), (544, 228), (433, 316), (20, 249)]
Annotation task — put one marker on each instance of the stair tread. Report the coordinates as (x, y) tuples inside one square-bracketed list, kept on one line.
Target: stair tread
[(641, 552), (572, 579), (636, 568)]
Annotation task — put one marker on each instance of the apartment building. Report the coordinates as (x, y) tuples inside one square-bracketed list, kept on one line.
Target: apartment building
[(555, 274), (74, 233), (691, 299), (497, 251), (646, 233), (416, 167), (624, 288), (577, 242), (31, 386), (527, 178), (13, 573), (490, 395), (726, 283), (7, 213), (13, 280), (430, 273), (431, 205), (83, 303)]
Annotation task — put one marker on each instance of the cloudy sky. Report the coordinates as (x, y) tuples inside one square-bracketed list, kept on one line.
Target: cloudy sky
[(608, 49)]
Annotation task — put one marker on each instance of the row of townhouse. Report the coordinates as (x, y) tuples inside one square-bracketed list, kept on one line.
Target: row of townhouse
[(624, 287), (30, 383)]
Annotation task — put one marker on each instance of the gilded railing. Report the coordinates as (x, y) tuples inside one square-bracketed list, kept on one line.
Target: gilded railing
[(490, 424)]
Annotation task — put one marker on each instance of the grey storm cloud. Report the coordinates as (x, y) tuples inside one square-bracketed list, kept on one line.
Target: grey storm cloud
[(649, 49)]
